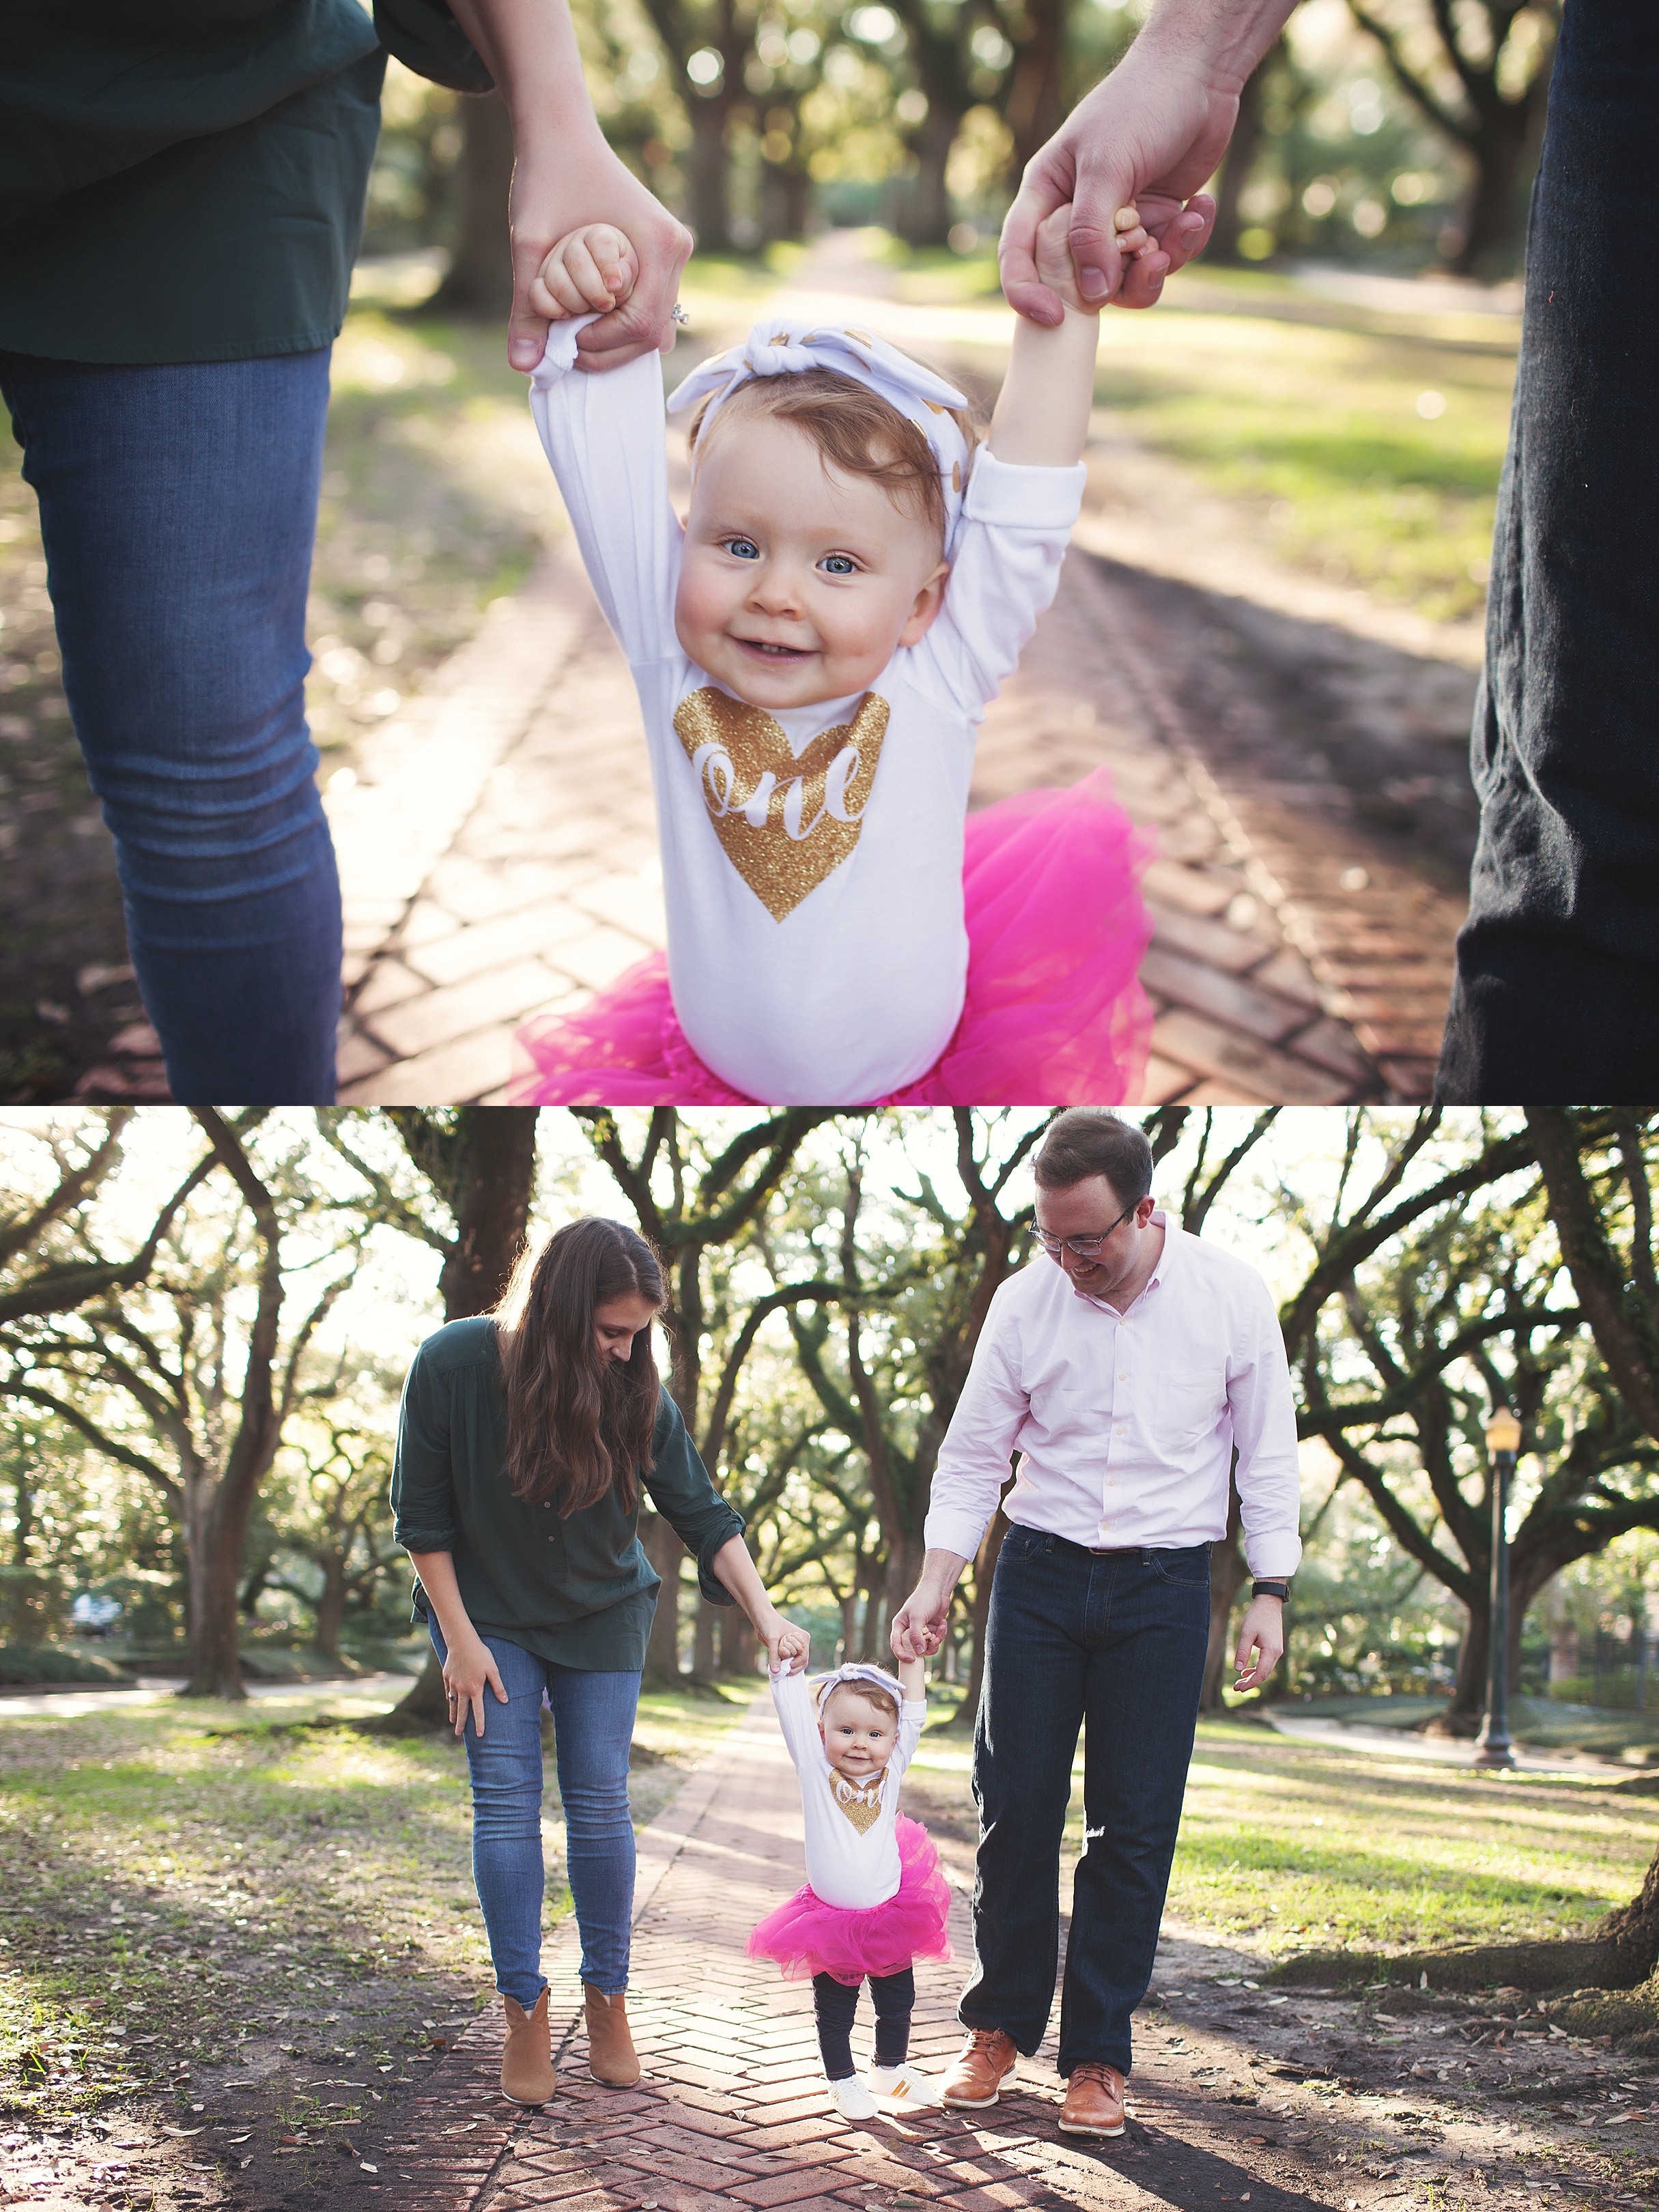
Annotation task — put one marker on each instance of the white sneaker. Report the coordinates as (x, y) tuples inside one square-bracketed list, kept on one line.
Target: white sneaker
[(852, 2099), (901, 2089)]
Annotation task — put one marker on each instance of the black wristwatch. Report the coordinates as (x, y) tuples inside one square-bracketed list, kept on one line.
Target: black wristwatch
[(1271, 1589)]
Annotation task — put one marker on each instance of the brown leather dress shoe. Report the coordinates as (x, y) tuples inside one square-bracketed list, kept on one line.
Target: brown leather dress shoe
[(527, 2076), (1094, 2101), (987, 2060)]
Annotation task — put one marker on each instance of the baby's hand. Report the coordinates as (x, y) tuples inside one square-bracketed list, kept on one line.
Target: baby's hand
[(592, 268), (1053, 254)]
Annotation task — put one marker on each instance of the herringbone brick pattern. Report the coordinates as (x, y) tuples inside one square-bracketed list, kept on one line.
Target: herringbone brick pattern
[(731, 2110)]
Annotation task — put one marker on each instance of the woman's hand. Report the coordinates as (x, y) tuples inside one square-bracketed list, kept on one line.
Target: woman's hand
[(786, 1646), (469, 1665), (558, 189)]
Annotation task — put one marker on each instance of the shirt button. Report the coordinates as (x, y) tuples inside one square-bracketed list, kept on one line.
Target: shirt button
[(1118, 1430), (1123, 1374)]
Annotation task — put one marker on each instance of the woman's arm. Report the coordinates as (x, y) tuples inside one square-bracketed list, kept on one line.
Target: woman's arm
[(564, 175), (785, 1644), (470, 1664)]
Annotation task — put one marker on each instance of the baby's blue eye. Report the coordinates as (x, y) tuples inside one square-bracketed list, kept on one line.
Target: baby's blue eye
[(743, 548), (839, 564)]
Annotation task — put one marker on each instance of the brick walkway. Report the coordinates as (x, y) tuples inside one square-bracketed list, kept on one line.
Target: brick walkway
[(500, 860), (731, 2110)]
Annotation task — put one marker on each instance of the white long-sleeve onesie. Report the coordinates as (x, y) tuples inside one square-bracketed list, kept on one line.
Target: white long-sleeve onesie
[(852, 1861), (812, 859)]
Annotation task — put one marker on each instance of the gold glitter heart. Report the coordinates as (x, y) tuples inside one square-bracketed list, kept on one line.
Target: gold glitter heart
[(863, 1812), (785, 824)]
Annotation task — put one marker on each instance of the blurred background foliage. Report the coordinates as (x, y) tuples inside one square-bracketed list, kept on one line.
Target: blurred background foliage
[(1396, 133)]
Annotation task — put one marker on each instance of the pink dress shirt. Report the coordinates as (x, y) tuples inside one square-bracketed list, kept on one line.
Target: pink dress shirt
[(1125, 1423)]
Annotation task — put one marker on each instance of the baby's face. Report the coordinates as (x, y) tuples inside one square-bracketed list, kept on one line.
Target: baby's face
[(799, 584), (858, 1735)]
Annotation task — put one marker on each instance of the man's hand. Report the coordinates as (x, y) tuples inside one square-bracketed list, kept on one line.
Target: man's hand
[(1260, 1642), (919, 1624), (1148, 135)]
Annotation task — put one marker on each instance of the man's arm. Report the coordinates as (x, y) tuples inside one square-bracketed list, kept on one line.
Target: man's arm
[(1269, 1479), (1148, 135), (564, 175), (918, 1627)]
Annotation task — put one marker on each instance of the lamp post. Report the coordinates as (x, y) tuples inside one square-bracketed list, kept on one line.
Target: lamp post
[(1492, 1747)]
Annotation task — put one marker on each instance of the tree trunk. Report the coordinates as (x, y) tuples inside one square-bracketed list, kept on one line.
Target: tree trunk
[(1033, 105), (707, 179), (703, 1661), (664, 1550), (491, 1203), (1227, 1573), (491, 1206), (331, 1608), (1492, 227), (737, 1644), (1236, 174), (480, 279), (216, 1665), (924, 199)]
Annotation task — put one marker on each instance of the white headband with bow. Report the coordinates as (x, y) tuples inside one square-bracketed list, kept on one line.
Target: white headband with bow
[(857, 1671), (772, 348)]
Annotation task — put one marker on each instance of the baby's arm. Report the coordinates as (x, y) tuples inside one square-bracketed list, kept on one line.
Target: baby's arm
[(605, 436), (592, 269), (913, 1679), (1041, 418)]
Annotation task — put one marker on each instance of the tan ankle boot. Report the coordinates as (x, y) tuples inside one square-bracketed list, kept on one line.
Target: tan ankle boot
[(527, 2074), (611, 2055)]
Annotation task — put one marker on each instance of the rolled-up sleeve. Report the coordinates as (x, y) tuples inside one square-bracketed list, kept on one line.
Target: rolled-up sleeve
[(678, 1486), (972, 1461), (422, 1482), (1269, 1474)]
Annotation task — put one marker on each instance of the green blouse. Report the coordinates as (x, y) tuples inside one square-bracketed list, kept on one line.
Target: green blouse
[(183, 181), (579, 1591)]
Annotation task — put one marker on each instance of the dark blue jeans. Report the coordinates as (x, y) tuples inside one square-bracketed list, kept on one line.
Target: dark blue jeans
[(1557, 994), (1116, 1642), (179, 506)]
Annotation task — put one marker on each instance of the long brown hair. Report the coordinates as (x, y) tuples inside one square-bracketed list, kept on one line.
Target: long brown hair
[(577, 1423)]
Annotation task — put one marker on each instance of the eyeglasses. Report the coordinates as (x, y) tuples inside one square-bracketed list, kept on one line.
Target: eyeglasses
[(1082, 1248)]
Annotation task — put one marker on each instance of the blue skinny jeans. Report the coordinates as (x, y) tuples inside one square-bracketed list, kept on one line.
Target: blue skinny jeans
[(593, 1728), (179, 506)]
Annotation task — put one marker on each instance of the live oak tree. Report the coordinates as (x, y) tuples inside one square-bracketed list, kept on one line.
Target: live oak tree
[(476, 1170), (696, 1198), (188, 1381), (1479, 72)]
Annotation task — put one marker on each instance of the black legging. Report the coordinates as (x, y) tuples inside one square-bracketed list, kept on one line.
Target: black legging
[(837, 2006)]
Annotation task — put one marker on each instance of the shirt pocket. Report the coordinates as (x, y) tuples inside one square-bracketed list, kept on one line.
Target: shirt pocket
[(1065, 1409), (1189, 1405)]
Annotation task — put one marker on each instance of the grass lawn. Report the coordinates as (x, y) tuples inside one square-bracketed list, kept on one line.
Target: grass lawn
[(190, 1890), (1316, 430), (1293, 1846)]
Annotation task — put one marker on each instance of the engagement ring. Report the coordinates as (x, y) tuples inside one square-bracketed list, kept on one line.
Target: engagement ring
[(680, 315)]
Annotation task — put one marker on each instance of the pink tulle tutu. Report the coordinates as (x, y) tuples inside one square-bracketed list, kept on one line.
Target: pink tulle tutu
[(1055, 1015), (807, 1936)]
